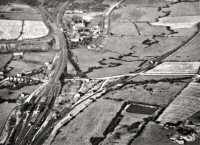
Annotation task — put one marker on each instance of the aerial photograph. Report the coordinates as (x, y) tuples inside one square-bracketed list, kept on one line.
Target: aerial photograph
[(99, 72)]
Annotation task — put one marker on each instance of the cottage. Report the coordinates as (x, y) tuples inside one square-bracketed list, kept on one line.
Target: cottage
[(17, 55)]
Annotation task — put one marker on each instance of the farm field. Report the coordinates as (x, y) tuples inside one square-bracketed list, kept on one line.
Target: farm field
[(13, 94), (10, 29), (178, 22), (181, 108), (123, 28), (175, 68), (148, 29), (135, 113), (92, 122), (136, 46), (21, 66), (94, 57), (15, 11), (34, 29), (184, 9), (189, 52), (126, 129), (146, 2), (129, 124), (158, 93), (100, 64), (40, 57), (123, 68), (16, 7), (21, 16), (136, 13)]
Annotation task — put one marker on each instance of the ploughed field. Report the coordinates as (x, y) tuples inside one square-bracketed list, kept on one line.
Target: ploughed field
[(17, 29)]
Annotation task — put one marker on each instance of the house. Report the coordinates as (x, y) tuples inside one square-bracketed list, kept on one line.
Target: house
[(87, 19), (78, 26), (68, 12), (76, 39), (19, 75), (78, 11), (17, 55)]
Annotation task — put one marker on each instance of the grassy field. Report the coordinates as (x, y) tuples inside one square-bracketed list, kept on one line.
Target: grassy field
[(103, 64), (184, 106), (136, 13), (4, 58), (90, 123), (146, 2), (124, 68), (160, 93), (31, 61), (133, 44), (20, 66), (21, 16), (175, 68), (13, 94), (126, 129), (18, 11), (147, 29), (41, 57), (178, 21), (123, 28), (90, 58), (184, 9), (37, 46), (189, 52)]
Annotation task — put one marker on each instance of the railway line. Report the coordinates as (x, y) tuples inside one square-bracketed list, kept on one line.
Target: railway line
[(36, 112), (35, 126)]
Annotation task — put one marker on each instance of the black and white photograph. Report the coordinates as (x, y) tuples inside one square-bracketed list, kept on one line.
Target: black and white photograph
[(99, 72)]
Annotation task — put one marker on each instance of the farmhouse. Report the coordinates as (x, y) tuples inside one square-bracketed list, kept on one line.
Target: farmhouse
[(17, 55)]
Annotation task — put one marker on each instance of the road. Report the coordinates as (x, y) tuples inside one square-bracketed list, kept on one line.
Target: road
[(106, 23), (107, 17)]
